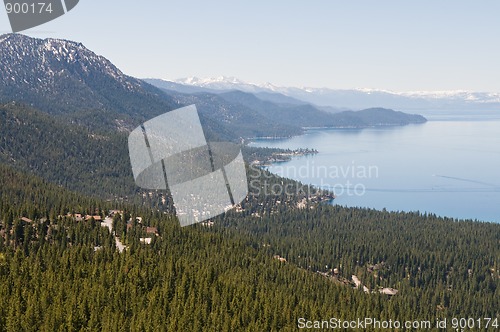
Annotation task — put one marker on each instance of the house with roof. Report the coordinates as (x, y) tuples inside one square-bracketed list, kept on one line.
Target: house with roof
[(152, 230)]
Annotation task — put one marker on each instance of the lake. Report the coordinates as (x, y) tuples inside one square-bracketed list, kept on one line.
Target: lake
[(447, 166)]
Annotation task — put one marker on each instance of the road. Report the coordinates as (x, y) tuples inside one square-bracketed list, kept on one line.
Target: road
[(108, 222)]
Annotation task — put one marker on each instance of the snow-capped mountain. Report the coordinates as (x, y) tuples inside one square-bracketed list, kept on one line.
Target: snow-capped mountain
[(225, 83), (58, 75), (22, 56), (353, 98)]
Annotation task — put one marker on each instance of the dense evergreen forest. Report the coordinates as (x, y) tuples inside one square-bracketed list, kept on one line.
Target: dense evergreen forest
[(83, 249), (258, 268)]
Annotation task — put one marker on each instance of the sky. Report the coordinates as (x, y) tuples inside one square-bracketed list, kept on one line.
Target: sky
[(388, 44)]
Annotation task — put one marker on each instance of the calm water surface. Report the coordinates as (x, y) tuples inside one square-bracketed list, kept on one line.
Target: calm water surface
[(450, 168)]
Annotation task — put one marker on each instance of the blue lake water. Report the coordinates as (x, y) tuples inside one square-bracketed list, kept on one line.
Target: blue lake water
[(447, 167)]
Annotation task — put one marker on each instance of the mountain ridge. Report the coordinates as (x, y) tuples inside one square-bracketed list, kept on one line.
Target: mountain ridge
[(63, 77), (356, 98), (66, 79)]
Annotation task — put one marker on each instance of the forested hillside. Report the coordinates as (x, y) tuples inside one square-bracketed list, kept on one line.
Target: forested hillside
[(60, 274), (92, 162), (83, 249)]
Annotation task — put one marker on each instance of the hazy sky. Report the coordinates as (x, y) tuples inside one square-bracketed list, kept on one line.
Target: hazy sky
[(397, 45)]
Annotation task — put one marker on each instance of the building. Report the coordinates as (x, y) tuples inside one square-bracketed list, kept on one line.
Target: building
[(152, 230)]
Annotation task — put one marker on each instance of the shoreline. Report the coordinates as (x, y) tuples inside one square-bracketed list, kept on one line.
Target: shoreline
[(427, 206)]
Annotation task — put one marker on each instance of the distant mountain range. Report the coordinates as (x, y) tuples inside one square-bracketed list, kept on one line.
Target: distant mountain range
[(353, 99), (280, 115), (64, 78), (65, 113)]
